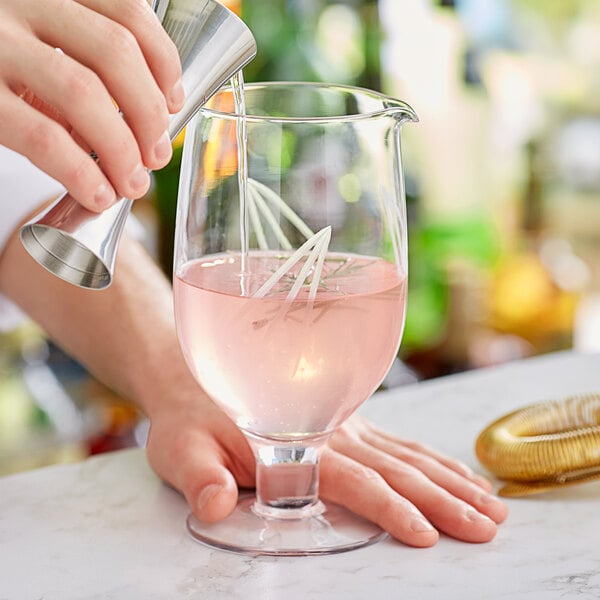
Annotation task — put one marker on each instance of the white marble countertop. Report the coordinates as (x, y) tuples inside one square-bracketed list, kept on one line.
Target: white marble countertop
[(107, 528)]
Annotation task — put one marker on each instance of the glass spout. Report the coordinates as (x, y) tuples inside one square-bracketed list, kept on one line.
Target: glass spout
[(400, 110)]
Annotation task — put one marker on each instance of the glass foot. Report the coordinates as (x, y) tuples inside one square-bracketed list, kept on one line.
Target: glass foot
[(335, 530)]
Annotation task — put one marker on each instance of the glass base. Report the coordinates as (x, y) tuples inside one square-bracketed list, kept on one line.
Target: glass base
[(335, 530)]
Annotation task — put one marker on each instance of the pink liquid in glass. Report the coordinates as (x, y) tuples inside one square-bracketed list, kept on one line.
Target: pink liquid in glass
[(289, 369)]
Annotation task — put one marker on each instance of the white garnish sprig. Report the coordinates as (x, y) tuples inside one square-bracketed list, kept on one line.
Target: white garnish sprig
[(262, 201), (259, 198), (314, 250)]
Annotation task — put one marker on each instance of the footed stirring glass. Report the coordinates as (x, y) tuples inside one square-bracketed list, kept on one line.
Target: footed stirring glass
[(290, 289)]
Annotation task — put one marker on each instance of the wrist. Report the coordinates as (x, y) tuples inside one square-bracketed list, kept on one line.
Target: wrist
[(165, 385)]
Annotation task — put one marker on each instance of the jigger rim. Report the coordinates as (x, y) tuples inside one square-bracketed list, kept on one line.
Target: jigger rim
[(85, 268)]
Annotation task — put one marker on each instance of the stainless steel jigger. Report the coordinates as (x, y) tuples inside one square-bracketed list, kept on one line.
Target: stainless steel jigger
[(80, 246)]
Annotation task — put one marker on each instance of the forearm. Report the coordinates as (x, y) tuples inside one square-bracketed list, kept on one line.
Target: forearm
[(124, 335)]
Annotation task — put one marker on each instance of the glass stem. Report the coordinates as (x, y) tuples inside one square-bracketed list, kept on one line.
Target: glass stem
[(287, 479)]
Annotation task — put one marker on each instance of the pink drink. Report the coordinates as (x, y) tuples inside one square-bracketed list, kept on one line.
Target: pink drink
[(289, 369)]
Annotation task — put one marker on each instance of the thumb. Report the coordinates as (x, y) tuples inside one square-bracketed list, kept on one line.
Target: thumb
[(212, 493), (196, 468)]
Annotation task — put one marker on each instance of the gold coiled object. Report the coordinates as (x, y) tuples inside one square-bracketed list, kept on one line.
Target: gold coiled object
[(544, 446)]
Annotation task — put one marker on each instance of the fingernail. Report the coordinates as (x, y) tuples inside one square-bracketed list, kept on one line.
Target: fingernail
[(177, 94), (467, 471), (481, 481), (104, 196), (207, 494), (139, 180), (420, 525), (163, 150), (476, 517), (488, 499)]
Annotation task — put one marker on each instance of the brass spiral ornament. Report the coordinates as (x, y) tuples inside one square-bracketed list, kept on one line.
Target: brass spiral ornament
[(544, 446)]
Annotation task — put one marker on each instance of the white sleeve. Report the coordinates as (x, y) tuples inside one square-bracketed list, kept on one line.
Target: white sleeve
[(23, 187)]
